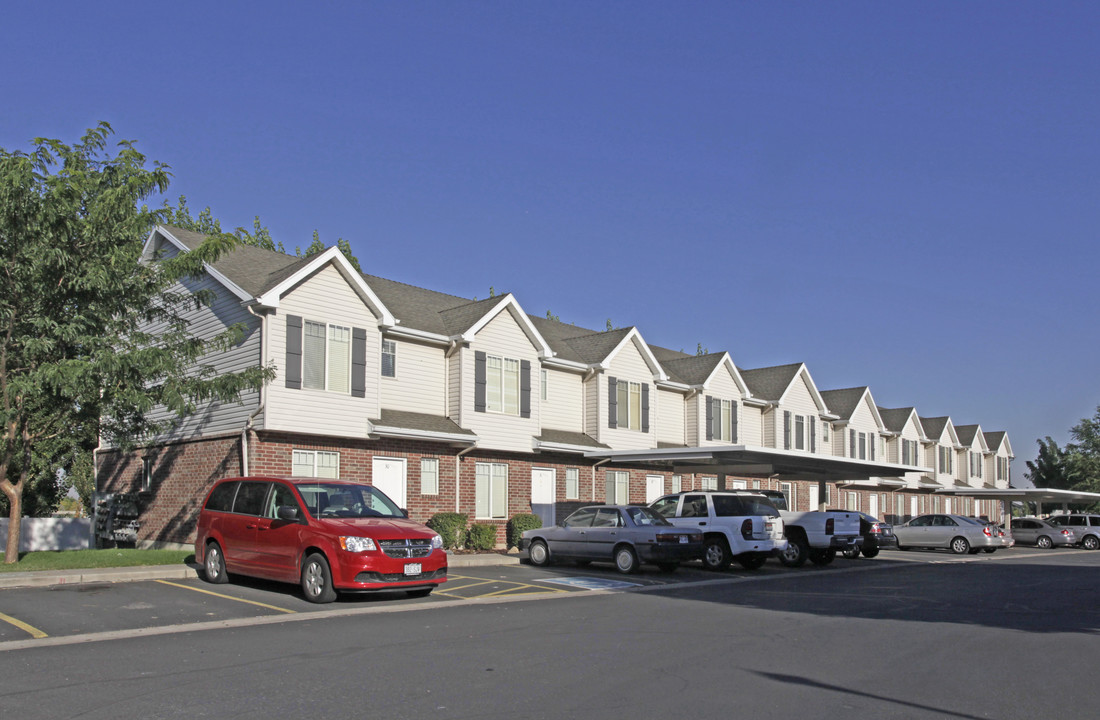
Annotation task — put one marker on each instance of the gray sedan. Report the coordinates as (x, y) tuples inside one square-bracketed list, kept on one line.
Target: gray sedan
[(1040, 533), (626, 535), (955, 532)]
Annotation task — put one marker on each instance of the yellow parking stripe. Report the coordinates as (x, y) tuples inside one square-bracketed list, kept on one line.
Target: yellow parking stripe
[(227, 597), (29, 629), (520, 586)]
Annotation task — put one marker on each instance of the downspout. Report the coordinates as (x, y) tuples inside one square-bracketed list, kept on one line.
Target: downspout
[(596, 465), (245, 469), (458, 459)]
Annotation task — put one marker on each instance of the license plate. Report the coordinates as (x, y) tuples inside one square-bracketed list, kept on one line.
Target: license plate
[(683, 539), (412, 569)]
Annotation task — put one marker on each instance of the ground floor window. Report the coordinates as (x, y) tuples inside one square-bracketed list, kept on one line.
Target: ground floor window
[(617, 490), (572, 483), (429, 476), (315, 463), (491, 490), (788, 494), (677, 484), (708, 482)]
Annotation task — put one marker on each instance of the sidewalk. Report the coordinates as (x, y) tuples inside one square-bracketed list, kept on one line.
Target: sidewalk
[(47, 578)]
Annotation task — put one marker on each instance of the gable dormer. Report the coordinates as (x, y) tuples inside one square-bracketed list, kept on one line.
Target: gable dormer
[(859, 427), (793, 410)]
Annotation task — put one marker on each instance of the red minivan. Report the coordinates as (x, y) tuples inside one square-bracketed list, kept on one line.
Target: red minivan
[(327, 535)]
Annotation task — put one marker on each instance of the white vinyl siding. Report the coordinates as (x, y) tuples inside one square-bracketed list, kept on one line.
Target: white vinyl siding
[(564, 407), (671, 412), (429, 476), (491, 490), (420, 382), (325, 297), (628, 366), (315, 463)]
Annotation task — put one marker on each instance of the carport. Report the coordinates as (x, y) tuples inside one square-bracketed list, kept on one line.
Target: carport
[(1039, 496), (758, 462)]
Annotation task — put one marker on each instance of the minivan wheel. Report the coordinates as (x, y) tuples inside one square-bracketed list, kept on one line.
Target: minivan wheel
[(717, 554), (317, 580), (214, 564), (960, 546), (1091, 542), (1044, 542)]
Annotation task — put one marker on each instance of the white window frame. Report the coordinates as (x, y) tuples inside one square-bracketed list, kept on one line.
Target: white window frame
[(825, 425), (723, 430), (502, 385), (677, 483), (708, 482), (147, 474), (491, 491), (334, 351), (788, 494), (617, 487), (627, 394), (544, 384), (389, 347), (429, 476), (572, 483), (320, 463)]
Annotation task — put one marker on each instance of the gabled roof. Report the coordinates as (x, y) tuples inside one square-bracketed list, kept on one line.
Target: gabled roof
[(846, 401), (699, 370), (996, 438), (773, 383), (967, 434), (934, 427), (895, 419)]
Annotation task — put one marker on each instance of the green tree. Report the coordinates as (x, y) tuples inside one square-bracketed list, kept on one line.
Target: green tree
[(1083, 454), (91, 339), (1049, 468)]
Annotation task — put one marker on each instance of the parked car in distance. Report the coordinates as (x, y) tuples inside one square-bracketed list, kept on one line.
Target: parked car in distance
[(1085, 526), (1040, 533), (626, 535), (1001, 538), (957, 533), (326, 535), (737, 525), (877, 534)]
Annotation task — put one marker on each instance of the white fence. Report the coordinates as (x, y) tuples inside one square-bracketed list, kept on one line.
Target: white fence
[(36, 534)]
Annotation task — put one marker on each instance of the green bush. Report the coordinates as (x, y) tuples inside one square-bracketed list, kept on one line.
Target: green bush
[(481, 536), (450, 526), (519, 523)]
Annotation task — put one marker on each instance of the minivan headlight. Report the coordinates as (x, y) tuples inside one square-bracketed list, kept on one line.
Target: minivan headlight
[(437, 542), (357, 544)]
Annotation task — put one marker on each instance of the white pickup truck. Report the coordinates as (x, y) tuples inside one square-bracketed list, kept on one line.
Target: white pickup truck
[(817, 535), (741, 526)]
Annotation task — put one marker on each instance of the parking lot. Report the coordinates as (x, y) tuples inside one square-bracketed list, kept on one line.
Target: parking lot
[(72, 613)]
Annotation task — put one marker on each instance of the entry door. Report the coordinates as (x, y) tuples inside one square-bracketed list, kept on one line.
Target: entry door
[(389, 476), (542, 494), (815, 496), (654, 487)]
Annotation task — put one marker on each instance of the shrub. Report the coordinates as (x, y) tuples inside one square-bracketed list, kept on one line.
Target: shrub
[(519, 523), (481, 536), (450, 526)]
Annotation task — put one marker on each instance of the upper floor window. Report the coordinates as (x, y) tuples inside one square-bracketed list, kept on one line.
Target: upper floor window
[(544, 382), (976, 464), (1002, 468), (825, 425), (326, 357), (908, 452), (389, 358), (799, 433), (502, 385), (945, 459), (629, 406)]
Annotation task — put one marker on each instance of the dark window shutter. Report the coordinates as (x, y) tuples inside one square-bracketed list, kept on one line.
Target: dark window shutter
[(645, 407), (479, 381), (358, 362), (852, 443), (612, 403), (813, 434), (733, 421), (710, 418), (525, 388), (294, 352), (786, 429)]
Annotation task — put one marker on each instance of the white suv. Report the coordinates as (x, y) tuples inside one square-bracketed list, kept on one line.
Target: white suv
[(741, 526)]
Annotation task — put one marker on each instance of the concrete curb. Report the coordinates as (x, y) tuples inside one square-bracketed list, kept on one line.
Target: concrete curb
[(49, 578)]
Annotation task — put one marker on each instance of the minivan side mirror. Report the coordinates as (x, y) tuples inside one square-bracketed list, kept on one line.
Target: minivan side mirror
[(287, 512)]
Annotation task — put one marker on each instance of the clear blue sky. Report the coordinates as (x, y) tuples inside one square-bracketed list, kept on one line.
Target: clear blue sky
[(901, 195)]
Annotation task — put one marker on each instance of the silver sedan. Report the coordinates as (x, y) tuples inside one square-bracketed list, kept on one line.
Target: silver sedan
[(954, 532), (626, 535), (1040, 533)]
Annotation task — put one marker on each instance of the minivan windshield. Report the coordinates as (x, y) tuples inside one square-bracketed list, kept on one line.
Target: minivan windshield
[(330, 500)]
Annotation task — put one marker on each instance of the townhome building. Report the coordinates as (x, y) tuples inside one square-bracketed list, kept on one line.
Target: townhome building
[(452, 404), (906, 443)]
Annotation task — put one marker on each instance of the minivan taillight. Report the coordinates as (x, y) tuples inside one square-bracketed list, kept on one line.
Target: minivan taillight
[(746, 529)]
